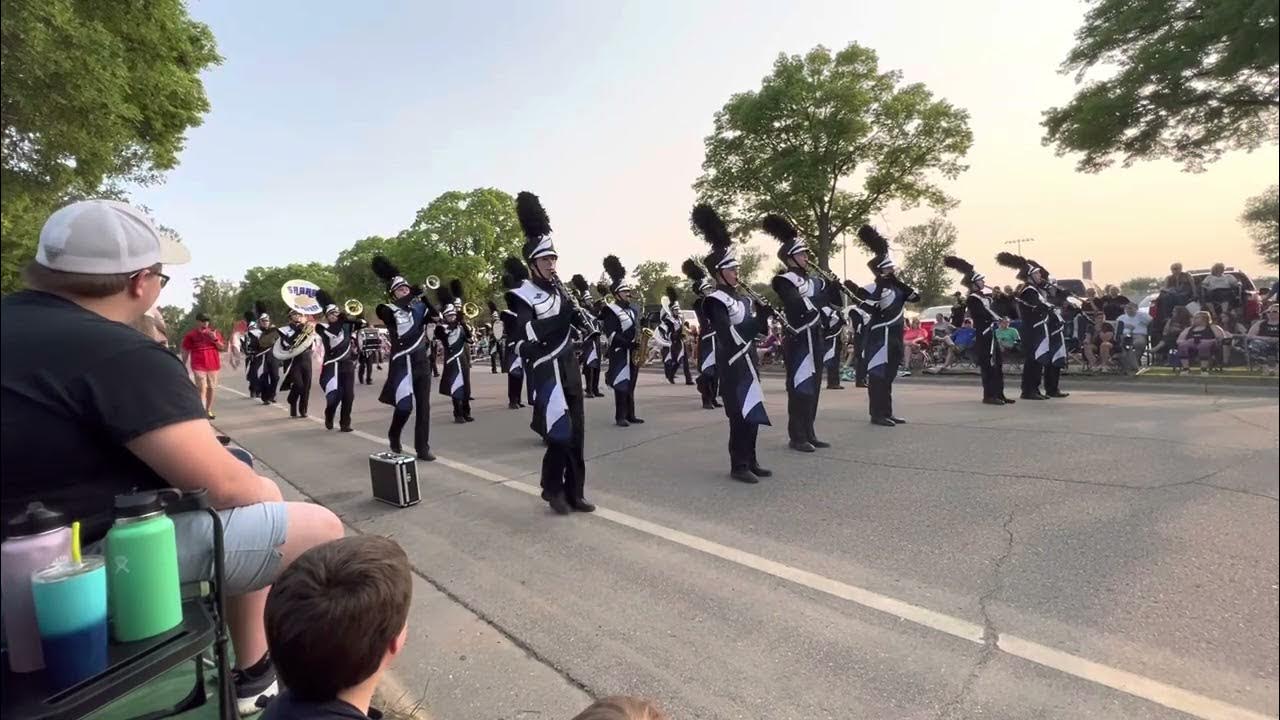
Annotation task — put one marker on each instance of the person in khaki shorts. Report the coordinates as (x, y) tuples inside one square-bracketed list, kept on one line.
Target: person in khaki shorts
[(200, 351)]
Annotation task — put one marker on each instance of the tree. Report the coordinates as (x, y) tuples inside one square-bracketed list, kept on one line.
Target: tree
[(923, 247), (1139, 287), (92, 95), (468, 234), (355, 279), (264, 283), (219, 300), (816, 123), (175, 319), (1261, 217), (1191, 79), (653, 277)]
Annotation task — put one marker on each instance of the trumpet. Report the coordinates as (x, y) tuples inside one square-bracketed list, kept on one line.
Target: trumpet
[(353, 307), (759, 299), (470, 310), (432, 282)]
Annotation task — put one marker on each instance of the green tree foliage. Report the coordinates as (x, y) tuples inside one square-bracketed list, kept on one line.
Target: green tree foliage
[(653, 277), (175, 319), (1187, 80), (1139, 287), (1261, 217), (93, 94), (818, 124), (355, 279), (219, 300), (923, 247), (264, 283), (464, 235)]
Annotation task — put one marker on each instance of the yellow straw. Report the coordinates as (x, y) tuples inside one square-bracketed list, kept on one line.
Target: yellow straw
[(75, 542)]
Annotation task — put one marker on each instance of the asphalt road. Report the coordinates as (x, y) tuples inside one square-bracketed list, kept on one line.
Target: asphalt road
[(1110, 555)]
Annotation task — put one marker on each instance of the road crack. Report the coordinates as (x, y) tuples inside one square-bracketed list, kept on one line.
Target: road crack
[(990, 634)]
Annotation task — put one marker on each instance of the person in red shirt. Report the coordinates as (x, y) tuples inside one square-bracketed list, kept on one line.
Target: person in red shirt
[(200, 351)]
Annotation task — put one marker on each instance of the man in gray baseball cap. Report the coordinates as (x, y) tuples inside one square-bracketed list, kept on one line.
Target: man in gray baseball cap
[(90, 408)]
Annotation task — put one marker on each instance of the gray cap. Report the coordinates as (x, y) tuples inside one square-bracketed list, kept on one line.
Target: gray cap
[(105, 237)]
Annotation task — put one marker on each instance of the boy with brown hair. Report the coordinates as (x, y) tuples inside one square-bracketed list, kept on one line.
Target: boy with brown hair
[(335, 620)]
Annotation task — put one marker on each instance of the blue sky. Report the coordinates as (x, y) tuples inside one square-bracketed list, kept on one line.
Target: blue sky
[(333, 121)]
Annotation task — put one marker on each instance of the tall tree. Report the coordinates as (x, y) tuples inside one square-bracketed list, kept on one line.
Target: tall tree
[(654, 276), (1261, 218), (1186, 79), (817, 122), (923, 247), (1139, 287), (464, 235), (92, 94), (175, 319), (219, 300), (264, 283), (355, 279)]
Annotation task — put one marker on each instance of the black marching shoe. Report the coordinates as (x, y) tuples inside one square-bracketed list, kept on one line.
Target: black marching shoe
[(293, 413), (459, 419), (426, 455), (883, 422), (1037, 396), (689, 382), (744, 475), (468, 418), (558, 504), (717, 403), (1059, 394), (803, 447), (761, 472), (992, 401), (621, 423), (302, 415), (835, 387), (581, 505), (514, 406), (1007, 401), (347, 428), (395, 446), (266, 401), (635, 421), (328, 424), (860, 385), (818, 444), (708, 406), (897, 420)]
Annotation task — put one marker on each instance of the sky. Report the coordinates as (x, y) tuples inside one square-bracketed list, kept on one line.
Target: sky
[(334, 121)]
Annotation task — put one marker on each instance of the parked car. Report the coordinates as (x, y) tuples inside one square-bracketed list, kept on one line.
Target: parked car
[(929, 315), (1078, 287), (1250, 299)]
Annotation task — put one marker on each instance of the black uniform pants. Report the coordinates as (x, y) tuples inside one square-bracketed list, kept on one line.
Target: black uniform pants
[(421, 413), (365, 367), (1032, 372), (742, 442), (269, 380), (514, 381), (592, 377), (462, 406), (991, 367), (880, 391), (343, 397), (493, 363), (708, 386), (1051, 375), (802, 413), (833, 370), (859, 362), (564, 470), (299, 382), (624, 405)]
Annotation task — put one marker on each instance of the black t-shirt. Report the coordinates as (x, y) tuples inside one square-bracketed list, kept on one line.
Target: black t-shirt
[(286, 707), (74, 388)]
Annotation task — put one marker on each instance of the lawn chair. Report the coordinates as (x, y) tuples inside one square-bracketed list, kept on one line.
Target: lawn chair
[(136, 665)]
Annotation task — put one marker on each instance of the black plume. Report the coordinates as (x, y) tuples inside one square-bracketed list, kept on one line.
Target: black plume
[(515, 269), (1009, 260), (579, 283), (533, 219), (613, 266), (248, 316), (493, 307), (708, 224), (259, 308), (964, 267), (509, 282), (383, 268), (602, 289), (779, 227), (693, 270), (455, 287), (444, 297), (325, 299), (874, 241), (672, 294)]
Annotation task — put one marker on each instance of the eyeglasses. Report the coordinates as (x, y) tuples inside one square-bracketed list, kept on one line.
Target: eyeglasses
[(164, 279)]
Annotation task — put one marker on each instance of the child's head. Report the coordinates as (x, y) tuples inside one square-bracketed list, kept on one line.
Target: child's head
[(337, 615), (621, 707)]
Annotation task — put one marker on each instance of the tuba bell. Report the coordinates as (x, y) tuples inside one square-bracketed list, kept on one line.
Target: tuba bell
[(470, 310), (433, 282), (353, 307)]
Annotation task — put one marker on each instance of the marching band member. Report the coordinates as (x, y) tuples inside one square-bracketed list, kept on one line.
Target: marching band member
[(338, 337), (803, 347), (736, 324), (511, 340), (882, 343), (833, 322), (495, 348), (621, 327), (453, 334), (858, 318), (545, 314), (1045, 349), (985, 321), (297, 369), (672, 322), (590, 345), (706, 335), (264, 372), (408, 384), (370, 349), (250, 373)]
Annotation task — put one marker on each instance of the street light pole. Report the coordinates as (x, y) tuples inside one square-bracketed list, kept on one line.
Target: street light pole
[(1019, 242)]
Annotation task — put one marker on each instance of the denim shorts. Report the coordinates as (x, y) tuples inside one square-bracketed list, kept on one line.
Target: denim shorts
[(252, 536)]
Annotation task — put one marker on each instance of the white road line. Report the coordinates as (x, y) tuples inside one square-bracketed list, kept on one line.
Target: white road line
[(1163, 694)]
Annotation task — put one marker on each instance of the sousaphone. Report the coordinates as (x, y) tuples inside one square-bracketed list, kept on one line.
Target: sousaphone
[(299, 296)]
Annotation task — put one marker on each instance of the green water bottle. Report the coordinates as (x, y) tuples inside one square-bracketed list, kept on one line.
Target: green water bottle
[(142, 569)]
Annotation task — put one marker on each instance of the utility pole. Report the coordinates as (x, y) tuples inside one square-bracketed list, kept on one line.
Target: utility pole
[(1019, 242)]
